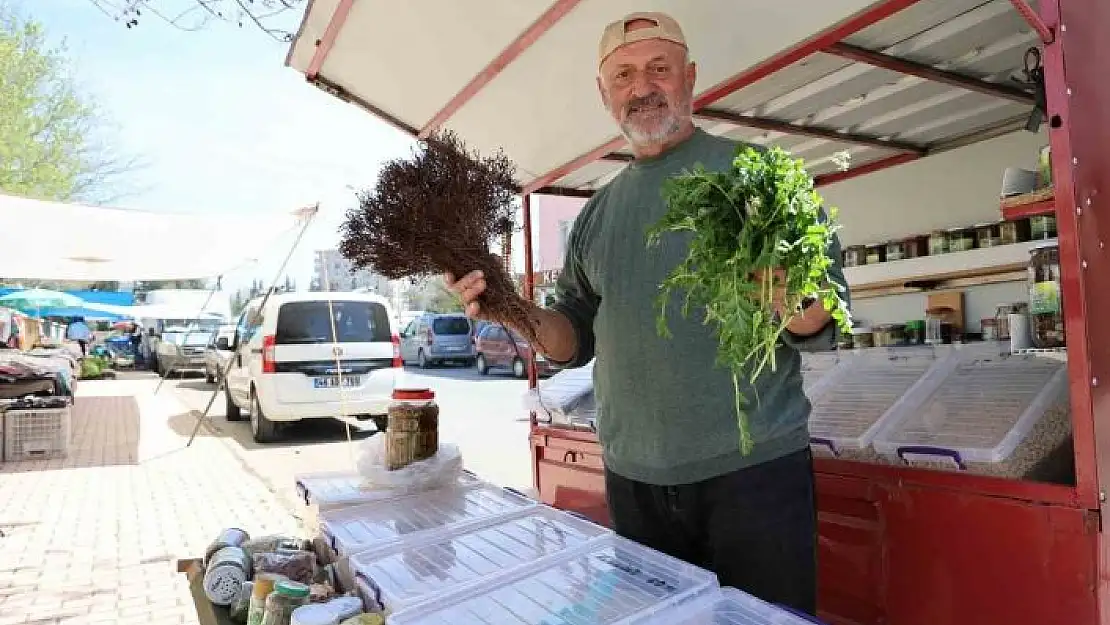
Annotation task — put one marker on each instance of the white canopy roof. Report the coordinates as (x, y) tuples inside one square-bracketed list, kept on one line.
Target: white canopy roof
[(887, 80), (55, 241)]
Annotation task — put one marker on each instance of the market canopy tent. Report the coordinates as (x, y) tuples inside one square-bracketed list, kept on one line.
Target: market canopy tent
[(891, 81), (57, 241)]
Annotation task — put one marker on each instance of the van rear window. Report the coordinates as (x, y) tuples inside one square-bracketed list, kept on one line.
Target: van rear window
[(451, 326), (307, 323)]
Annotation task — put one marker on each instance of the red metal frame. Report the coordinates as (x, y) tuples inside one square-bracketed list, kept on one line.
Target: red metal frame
[(1078, 98), (1032, 209), (549, 18), (867, 168), (1044, 31), (848, 27), (912, 68), (323, 47)]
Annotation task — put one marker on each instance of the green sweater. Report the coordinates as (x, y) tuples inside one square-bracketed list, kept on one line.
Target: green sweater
[(666, 412)]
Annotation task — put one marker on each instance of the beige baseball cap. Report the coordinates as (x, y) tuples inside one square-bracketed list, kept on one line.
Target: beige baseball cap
[(617, 33)]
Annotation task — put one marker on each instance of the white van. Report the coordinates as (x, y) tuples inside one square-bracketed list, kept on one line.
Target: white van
[(287, 367)]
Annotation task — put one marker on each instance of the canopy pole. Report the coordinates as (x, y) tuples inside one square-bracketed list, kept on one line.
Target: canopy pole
[(307, 214)]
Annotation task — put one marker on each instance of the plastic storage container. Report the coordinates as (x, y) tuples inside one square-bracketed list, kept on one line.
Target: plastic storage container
[(728, 606), (614, 582), (816, 365), (321, 492), (990, 413), (369, 526), (852, 401), (399, 577)]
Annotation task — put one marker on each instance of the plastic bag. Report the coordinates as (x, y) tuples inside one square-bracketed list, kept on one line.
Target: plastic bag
[(299, 566), (442, 469), (562, 392)]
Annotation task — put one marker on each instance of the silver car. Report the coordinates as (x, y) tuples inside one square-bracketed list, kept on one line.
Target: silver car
[(433, 339), (181, 350), (218, 353)]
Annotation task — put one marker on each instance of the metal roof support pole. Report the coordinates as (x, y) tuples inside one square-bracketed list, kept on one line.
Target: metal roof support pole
[(1038, 24), (529, 284)]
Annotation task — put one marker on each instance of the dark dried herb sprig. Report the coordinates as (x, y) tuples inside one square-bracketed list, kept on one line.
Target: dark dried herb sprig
[(439, 212)]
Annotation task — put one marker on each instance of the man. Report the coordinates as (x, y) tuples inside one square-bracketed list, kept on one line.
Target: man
[(676, 479)]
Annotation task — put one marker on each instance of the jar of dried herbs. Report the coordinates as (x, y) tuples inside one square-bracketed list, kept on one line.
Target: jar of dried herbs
[(1046, 309), (413, 432), (938, 243)]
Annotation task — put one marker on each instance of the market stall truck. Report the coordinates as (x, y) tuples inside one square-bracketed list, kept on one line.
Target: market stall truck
[(963, 480)]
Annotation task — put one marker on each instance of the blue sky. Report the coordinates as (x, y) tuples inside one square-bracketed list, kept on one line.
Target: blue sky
[(221, 124)]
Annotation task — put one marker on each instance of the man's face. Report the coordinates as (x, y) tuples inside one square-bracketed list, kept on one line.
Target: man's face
[(648, 87)]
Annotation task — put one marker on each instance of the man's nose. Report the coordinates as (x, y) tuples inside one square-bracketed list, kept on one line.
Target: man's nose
[(641, 86)]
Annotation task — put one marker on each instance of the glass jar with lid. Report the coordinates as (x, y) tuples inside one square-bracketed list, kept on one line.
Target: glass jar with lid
[(988, 235), (895, 250), (413, 432), (876, 254), (938, 242), (1046, 311), (287, 596), (1042, 227), (961, 239), (855, 256), (916, 246)]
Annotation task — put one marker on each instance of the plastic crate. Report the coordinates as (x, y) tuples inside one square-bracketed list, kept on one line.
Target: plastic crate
[(817, 365), (998, 414), (37, 433), (613, 582), (321, 492), (399, 577), (729, 606), (851, 402), (402, 519)]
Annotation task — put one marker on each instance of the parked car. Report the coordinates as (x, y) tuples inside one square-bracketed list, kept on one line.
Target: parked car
[(218, 352), (181, 350), (311, 356), (433, 339), (501, 348)]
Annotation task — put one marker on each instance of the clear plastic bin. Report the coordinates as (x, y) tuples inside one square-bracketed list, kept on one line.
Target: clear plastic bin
[(321, 492), (997, 414), (728, 606), (402, 576), (614, 582), (816, 366), (368, 526), (854, 399)]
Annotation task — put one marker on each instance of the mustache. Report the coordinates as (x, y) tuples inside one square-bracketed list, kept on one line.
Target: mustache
[(650, 100)]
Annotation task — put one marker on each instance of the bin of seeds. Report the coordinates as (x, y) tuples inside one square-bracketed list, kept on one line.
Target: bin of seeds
[(992, 413)]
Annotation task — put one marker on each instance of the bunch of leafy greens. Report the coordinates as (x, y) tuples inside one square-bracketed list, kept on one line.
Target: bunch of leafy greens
[(759, 218)]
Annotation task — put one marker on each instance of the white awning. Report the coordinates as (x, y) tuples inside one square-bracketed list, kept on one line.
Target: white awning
[(55, 241)]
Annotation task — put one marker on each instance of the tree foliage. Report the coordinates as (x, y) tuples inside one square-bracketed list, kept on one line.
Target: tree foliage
[(50, 146)]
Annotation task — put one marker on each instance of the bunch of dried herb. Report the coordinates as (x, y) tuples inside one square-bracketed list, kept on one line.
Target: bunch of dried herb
[(439, 212)]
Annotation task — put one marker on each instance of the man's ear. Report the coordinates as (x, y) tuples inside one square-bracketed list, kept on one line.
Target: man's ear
[(691, 74), (601, 92)]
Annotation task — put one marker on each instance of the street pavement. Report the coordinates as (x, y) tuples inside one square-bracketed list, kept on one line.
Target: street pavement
[(483, 415), (94, 537)]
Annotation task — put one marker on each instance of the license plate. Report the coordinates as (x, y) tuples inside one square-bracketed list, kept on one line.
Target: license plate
[(332, 381)]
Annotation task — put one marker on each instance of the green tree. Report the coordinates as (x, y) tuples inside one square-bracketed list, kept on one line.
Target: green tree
[(50, 134)]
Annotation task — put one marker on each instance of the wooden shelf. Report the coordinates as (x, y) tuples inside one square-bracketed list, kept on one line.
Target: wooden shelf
[(1039, 202), (992, 265)]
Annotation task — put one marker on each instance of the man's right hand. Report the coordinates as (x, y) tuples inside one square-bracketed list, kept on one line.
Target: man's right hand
[(469, 288), (555, 333)]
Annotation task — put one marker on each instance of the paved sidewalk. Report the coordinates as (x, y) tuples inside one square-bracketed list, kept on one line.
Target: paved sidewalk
[(94, 537)]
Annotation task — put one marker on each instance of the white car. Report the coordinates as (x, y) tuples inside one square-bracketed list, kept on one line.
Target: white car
[(312, 355), (218, 353)]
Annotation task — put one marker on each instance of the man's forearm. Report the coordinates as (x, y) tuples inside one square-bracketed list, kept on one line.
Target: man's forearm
[(558, 340)]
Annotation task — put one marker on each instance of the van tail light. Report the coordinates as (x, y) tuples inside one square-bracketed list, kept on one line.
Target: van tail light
[(430, 337), (397, 352), (269, 365)]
